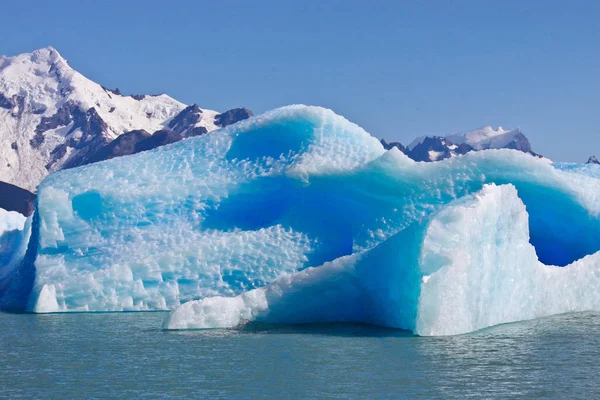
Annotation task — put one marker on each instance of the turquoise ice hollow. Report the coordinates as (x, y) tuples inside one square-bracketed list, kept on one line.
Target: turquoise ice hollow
[(303, 196)]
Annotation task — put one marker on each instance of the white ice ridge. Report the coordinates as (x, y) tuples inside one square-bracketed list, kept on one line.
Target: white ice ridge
[(468, 267)]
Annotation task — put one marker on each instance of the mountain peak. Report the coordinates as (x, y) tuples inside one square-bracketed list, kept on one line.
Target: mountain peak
[(53, 117), (56, 114), (593, 160), (35, 75), (487, 137), (41, 61), (489, 131), (49, 54), (435, 148)]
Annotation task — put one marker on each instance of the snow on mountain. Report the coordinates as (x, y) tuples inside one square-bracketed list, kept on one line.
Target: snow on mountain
[(436, 148), (593, 160), (390, 145), (52, 117), (488, 138)]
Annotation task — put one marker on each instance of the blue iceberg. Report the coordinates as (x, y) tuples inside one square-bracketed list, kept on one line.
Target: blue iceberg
[(15, 232), (299, 215), (466, 267)]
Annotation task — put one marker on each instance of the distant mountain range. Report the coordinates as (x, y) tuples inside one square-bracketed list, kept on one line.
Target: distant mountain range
[(52, 117), (436, 148)]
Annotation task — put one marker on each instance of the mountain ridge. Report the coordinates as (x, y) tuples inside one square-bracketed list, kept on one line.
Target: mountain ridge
[(436, 148), (53, 117)]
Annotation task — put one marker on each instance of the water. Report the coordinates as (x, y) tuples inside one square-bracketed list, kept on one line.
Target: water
[(127, 355)]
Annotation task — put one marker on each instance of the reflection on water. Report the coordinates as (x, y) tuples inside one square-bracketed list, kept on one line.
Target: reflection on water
[(128, 355)]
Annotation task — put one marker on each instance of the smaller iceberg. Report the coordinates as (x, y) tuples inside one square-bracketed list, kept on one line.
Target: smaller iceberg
[(468, 266)]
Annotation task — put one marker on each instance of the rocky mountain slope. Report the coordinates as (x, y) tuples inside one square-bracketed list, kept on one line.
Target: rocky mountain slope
[(593, 160), (436, 148), (52, 117)]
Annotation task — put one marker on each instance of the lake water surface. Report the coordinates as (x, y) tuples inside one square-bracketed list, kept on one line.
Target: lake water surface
[(127, 355)]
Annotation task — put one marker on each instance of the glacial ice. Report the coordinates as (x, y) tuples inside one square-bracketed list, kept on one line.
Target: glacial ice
[(249, 211), (466, 267), (214, 215), (15, 231), (584, 169)]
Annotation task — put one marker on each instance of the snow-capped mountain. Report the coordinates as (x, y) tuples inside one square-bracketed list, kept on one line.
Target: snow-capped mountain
[(189, 122), (390, 145), (52, 117), (436, 148), (593, 160), (488, 138)]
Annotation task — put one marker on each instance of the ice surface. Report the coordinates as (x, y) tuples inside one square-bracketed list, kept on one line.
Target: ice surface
[(12, 226), (218, 215), (10, 221), (15, 230), (584, 169), (467, 267), (263, 200)]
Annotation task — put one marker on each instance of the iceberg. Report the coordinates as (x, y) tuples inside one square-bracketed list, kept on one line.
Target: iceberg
[(214, 216), (466, 267), (301, 205)]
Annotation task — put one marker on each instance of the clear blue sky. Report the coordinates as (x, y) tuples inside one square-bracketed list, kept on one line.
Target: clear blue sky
[(397, 68)]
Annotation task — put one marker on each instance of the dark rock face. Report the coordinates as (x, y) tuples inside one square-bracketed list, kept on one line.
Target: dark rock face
[(593, 160), (93, 144), (90, 123), (14, 101), (126, 144), (463, 149), (13, 198), (187, 118), (138, 97), (5, 102), (62, 117), (445, 148), (11, 103), (197, 131), (158, 138), (123, 145), (115, 91), (92, 138), (431, 143), (232, 116), (520, 143), (390, 145)]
